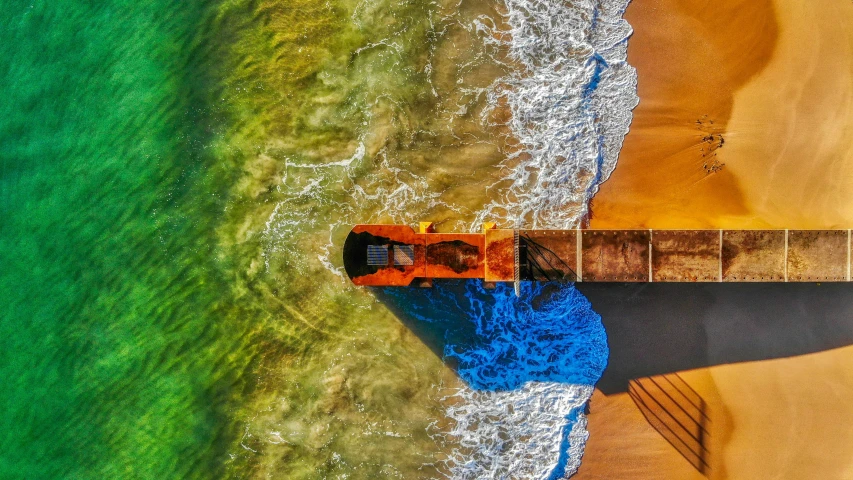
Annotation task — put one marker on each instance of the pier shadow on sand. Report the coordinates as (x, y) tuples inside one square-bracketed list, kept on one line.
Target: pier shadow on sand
[(651, 328), (659, 328)]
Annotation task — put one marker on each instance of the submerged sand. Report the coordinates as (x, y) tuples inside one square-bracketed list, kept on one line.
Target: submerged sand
[(745, 121)]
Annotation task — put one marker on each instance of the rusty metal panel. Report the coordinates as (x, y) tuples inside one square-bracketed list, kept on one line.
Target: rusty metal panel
[(615, 256), (606, 255), (452, 255), (355, 255), (753, 255), (548, 255), (686, 255), (817, 255), (500, 256)]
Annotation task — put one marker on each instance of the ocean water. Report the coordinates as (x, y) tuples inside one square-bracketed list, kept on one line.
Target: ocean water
[(123, 351), (570, 99), (175, 180)]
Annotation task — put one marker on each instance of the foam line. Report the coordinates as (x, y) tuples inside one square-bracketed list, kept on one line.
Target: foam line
[(571, 104)]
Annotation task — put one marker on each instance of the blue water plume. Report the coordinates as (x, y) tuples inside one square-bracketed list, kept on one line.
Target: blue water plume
[(498, 342)]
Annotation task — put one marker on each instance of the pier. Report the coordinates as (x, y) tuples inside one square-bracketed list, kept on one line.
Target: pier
[(397, 255)]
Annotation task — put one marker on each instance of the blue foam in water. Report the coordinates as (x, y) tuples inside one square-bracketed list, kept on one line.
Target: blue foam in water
[(498, 342)]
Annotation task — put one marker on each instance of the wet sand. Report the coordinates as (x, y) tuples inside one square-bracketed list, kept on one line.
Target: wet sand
[(776, 79)]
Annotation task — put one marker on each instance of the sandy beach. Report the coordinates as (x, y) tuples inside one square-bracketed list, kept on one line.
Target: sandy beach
[(745, 121), (770, 360), (775, 78)]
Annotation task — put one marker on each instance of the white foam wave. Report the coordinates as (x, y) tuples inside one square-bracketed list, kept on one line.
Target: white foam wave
[(530, 375), (387, 194), (517, 433), (570, 101)]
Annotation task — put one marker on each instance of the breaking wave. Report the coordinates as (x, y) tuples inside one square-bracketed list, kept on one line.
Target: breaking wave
[(570, 99)]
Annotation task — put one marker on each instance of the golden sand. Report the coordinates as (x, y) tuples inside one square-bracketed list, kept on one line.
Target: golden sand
[(622, 445), (792, 418), (691, 57), (791, 127), (776, 79)]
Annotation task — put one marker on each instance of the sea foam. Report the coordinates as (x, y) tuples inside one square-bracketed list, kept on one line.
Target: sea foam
[(528, 364), (530, 438), (529, 373), (570, 97)]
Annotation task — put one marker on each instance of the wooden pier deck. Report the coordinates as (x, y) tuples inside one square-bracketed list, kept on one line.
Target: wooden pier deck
[(397, 255)]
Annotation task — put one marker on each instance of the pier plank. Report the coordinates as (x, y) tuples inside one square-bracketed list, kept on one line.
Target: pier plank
[(615, 255), (753, 255), (355, 255), (455, 255), (500, 255), (686, 255), (548, 255), (817, 255)]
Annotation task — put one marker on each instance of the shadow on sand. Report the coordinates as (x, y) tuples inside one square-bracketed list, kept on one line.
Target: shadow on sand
[(660, 328), (652, 329)]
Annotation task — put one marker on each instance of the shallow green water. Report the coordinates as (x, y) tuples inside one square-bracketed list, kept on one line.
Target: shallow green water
[(150, 327), (120, 350)]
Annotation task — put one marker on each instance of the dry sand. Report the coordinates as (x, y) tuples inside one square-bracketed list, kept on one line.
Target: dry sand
[(691, 57), (791, 130), (792, 418), (776, 79), (623, 446)]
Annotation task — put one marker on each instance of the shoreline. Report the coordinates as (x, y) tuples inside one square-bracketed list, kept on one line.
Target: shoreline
[(662, 176), (779, 154)]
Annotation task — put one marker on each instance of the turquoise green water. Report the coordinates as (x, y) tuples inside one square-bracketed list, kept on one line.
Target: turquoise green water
[(120, 350), (152, 324)]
